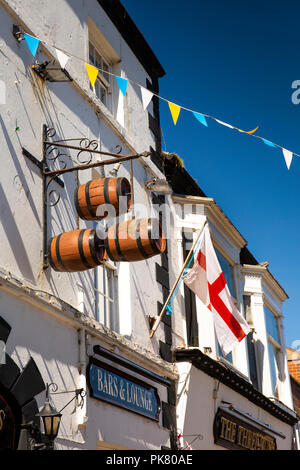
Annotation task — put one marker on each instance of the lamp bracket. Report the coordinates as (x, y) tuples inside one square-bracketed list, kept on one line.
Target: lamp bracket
[(80, 393)]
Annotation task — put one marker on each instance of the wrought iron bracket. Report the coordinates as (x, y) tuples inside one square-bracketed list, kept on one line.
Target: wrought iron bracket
[(52, 154)]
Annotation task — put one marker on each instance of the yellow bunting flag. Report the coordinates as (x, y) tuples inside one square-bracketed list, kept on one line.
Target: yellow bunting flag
[(92, 73), (249, 132), (175, 110)]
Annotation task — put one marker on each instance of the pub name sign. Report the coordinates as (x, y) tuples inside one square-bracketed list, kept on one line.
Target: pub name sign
[(115, 387), (234, 433)]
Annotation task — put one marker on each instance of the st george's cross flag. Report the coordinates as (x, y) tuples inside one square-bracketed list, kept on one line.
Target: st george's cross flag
[(207, 281)]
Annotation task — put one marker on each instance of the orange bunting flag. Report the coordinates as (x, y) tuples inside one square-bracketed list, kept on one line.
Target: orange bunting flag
[(249, 132), (92, 73), (175, 110)]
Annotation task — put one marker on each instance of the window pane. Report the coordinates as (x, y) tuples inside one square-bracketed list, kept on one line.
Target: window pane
[(189, 299), (91, 53), (97, 60), (271, 324), (105, 69), (227, 271)]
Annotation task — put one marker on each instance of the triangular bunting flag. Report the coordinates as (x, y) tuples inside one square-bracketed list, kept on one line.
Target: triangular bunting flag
[(201, 118), (225, 124), (175, 110), (288, 156), (146, 97), (251, 132), (62, 58), (267, 142), (92, 73), (32, 43), (122, 82)]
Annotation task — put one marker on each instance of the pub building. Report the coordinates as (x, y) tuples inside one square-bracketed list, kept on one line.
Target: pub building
[(79, 369), (243, 400)]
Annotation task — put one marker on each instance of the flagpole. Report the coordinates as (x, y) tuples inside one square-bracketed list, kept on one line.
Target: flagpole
[(158, 320)]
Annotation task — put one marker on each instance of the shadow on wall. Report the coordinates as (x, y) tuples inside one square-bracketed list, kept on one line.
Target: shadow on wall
[(19, 171), (260, 351), (14, 237)]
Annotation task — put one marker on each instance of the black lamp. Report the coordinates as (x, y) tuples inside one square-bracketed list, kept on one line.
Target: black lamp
[(51, 418), (52, 72)]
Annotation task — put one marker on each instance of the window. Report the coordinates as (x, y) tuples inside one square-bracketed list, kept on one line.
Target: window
[(251, 346), (271, 323), (106, 296), (102, 86), (228, 272), (274, 347), (189, 297)]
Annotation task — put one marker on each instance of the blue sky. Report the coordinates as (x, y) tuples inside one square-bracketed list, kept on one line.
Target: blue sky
[(236, 62)]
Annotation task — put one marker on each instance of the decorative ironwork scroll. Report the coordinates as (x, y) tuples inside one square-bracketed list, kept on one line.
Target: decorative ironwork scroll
[(58, 160)]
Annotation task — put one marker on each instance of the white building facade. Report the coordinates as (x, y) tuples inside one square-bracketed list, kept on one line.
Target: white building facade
[(88, 331)]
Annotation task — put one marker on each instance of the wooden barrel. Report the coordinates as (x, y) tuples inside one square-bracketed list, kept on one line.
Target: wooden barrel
[(135, 240), (88, 197), (76, 250)]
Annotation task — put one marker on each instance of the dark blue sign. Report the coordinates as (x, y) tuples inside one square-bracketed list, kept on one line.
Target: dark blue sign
[(113, 386)]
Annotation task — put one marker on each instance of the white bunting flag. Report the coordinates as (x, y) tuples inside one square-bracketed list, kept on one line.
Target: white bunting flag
[(225, 124), (288, 156), (62, 58), (146, 97)]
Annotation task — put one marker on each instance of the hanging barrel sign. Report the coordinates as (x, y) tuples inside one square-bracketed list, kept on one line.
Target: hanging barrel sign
[(88, 197), (134, 240), (76, 250)]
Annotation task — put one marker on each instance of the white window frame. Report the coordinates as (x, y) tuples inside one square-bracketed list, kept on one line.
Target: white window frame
[(273, 343), (106, 296), (101, 82)]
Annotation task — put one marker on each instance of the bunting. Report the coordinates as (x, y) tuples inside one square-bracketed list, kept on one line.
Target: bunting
[(288, 156), (201, 118), (147, 95), (267, 142), (122, 82), (225, 124), (175, 111), (62, 58), (32, 43), (92, 73)]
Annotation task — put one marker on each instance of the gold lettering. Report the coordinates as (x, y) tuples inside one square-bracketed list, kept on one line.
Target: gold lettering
[(244, 437), (228, 430), (240, 435), (223, 422)]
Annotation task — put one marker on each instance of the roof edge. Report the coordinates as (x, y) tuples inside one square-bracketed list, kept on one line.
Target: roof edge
[(133, 36), (233, 380)]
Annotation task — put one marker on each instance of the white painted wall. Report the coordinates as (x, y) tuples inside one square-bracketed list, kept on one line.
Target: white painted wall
[(73, 110), (196, 410)]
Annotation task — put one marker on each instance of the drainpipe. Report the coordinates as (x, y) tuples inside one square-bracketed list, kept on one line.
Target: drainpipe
[(82, 412)]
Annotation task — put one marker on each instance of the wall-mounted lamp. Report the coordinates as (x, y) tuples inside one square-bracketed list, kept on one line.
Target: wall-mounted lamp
[(52, 72), (159, 186), (51, 417)]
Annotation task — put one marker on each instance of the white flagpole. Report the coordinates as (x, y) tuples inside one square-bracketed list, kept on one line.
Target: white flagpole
[(158, 320)]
